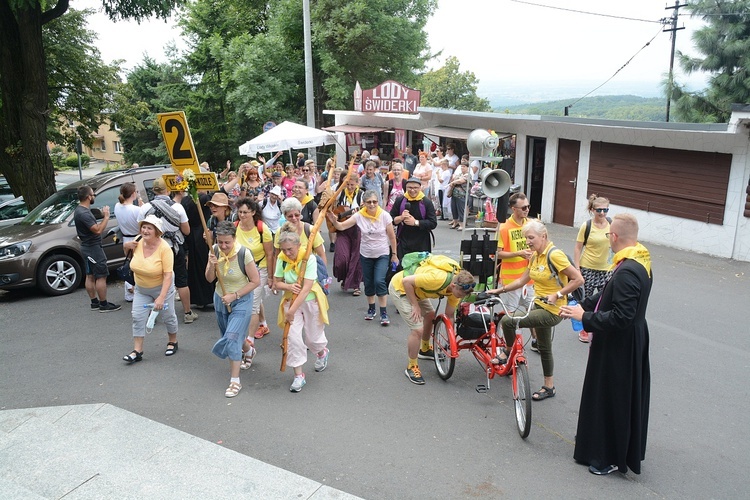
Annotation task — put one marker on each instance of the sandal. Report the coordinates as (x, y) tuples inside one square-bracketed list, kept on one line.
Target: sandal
[(357, 292), (247, 359), (133, 357), (233, 389), (543, 393), (171, 348), (497, 360)]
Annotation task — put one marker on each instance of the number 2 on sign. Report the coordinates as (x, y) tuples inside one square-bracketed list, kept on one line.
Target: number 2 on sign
[(177, 152)]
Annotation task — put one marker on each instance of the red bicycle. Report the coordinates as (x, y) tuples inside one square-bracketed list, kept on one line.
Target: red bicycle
[(476, 332)]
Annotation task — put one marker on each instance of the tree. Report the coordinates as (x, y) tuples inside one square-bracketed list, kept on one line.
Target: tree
[(725, 45), (24, 88), (369, 41), (151, 88), (448, 88), (80, 85)]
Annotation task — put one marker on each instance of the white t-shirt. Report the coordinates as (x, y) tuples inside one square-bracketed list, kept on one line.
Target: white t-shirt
[(271, 215), (127, 219), (374, 241), (453, 160)]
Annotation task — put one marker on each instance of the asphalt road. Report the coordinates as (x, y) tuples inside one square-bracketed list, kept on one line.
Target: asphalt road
[(361, 427)]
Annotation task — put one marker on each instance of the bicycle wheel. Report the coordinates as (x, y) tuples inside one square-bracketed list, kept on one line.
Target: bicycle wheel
[(442, 332), (522, 399)]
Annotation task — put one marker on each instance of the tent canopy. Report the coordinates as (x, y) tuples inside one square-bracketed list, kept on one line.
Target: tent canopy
[(287, 135)]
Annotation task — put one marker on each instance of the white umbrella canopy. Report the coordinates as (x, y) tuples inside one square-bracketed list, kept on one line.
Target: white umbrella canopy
[(287, 135)]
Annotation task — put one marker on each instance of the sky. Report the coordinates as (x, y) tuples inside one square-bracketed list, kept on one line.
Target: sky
[(513, 47)]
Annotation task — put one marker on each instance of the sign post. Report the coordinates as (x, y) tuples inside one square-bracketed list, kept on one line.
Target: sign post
[(179, 142)]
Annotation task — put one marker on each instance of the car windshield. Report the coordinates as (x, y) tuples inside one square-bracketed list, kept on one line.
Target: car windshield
[(54, 209)]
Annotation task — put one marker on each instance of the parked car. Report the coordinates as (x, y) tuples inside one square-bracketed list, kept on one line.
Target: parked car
[(6, 193), (43, 249), (15, 209)]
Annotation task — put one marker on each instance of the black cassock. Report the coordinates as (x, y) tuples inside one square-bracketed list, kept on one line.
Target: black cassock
[(613, 418)]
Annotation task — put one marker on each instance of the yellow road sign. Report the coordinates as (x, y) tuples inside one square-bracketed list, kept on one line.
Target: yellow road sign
[(204, 182), (174, 129)]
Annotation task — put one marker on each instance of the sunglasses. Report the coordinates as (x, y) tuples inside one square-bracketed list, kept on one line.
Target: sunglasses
[(293, 216), (305, 169), (525, 207), (371, 202), (601, 210)]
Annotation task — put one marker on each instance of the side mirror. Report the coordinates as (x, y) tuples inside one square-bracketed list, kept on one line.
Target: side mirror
[(97, 213)]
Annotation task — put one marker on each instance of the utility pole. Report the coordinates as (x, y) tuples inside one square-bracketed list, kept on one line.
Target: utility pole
[(673, 30), (309, 99)]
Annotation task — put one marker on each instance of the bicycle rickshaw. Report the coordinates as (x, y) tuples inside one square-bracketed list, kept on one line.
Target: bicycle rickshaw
[(476, 331)]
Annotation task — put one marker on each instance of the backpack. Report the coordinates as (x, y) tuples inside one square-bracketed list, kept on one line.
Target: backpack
[(413, 260), (240, 258), (578, 294), (587, 232)]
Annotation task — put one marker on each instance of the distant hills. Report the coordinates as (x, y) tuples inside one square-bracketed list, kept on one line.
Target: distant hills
[(614, 107)]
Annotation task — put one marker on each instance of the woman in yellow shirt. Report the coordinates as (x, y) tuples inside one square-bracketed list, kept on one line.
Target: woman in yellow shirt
[(591, 254), (253, 234), (237, 293), (545, 313), (152, 265)]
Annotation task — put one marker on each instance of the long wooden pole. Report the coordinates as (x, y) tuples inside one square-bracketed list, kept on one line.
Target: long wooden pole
[(308, 249)]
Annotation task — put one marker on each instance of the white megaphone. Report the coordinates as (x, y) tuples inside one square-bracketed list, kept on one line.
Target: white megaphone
[(495, 182)]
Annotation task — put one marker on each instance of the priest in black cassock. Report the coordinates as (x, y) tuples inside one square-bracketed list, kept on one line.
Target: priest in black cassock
[(613, 418)]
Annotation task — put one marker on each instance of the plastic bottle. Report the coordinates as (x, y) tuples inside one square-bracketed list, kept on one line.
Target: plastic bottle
[(151, 306), (577, 325), (490, 283)]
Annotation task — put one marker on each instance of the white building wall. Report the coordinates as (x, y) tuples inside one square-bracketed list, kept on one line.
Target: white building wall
[(731, 239)]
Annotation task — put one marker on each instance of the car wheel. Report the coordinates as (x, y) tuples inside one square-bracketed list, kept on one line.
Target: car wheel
[(58, 275)]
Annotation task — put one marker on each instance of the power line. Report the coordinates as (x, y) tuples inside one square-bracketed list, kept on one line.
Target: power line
[(585, 12), (615, 73)]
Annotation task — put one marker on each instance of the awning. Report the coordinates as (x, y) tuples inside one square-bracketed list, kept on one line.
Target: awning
[(355, 129), (450, 132)]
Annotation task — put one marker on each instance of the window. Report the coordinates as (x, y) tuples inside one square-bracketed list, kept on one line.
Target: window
[(118, 148), (117, 127), (71, 123), (104, 145)]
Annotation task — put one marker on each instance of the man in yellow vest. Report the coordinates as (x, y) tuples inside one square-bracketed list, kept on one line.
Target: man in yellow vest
[(515, 254)]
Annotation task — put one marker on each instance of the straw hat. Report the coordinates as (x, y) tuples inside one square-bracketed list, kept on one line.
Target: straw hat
[(154, 221), (219, 199)]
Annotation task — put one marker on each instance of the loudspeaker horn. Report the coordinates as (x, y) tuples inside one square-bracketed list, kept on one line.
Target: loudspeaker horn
[(481, 143), (495, 182)]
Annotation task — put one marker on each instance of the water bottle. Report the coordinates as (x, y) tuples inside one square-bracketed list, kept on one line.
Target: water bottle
[(394, 266), (327, 283), (577, 325), (151, 306), (490, 283)]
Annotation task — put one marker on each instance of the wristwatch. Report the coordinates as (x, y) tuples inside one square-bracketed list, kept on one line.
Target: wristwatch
[(559, 295)]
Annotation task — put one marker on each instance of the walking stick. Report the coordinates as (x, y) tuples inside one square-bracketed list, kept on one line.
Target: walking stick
[(308, 249)]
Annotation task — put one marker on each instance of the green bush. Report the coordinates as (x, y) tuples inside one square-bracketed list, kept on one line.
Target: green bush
[(72, 161)]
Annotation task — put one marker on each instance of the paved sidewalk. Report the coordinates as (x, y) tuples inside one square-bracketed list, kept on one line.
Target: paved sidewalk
[(95, 451)]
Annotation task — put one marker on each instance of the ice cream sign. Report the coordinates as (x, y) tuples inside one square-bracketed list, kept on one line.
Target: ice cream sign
[(388, 97)]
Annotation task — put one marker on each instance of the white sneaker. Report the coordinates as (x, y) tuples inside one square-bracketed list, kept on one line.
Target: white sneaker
[(298, 383), (322, 361)]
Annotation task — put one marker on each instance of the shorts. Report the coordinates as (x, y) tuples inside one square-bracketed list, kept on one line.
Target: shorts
[(404, 307), (180, 269), (95, 261)]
